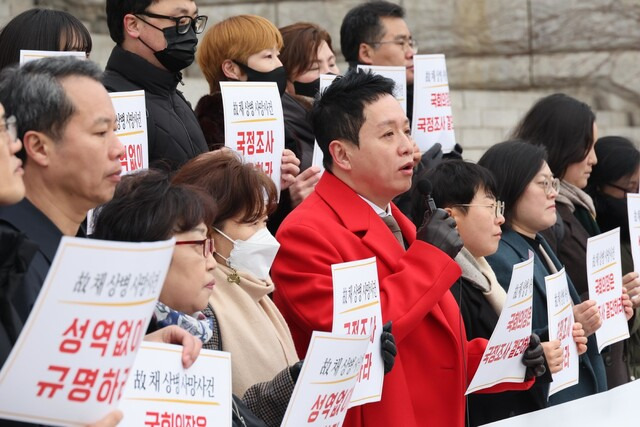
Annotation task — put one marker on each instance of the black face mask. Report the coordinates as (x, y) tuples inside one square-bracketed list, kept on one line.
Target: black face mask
[(180, 51), (309, 89), (278, 75), (611, 213)]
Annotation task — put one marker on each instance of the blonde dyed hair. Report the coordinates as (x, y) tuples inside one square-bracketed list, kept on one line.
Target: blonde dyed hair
[(235, 38)]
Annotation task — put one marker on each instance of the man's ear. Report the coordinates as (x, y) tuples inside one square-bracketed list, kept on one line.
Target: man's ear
[(340, 153), (232, 70), (38, 147), (131, 26), (365, 53)]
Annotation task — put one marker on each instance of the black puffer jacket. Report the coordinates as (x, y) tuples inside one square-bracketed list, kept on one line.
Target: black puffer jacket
[(174, 133)]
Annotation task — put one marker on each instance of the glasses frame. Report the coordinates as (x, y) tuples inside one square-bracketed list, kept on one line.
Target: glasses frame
[(10, 125), (192, 21), (203, 242), (549, 184), (498, 207), (405, 43)]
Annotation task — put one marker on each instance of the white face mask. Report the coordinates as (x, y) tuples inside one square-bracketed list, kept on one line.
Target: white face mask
[(254, 255)]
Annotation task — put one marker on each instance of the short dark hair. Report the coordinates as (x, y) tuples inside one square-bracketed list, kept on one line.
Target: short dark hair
[(514, 164), (117, 9), (34, 94), (338, 113), (617, 157), (237, 188), (362, 25), (42, 29), (563, 125), (453, 182), (146, 207)]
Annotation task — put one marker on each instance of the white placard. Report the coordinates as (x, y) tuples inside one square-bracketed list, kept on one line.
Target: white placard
[(318, 156), (72, 359), (161, 392), (604, 276), (396, 73), (32, 55), (560, 315), (432, 117), (254, 124), (356, 311), (328, 377), (610, 408), (633, 209), (502, 359), (131, 129)]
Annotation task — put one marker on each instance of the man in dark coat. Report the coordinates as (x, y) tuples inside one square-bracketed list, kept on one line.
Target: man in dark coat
[(155, 40)]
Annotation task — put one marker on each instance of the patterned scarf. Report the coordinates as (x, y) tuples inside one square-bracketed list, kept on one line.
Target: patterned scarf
[(198, 324)]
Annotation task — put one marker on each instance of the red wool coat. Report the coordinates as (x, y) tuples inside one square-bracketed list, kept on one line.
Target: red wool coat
[(435, 362)]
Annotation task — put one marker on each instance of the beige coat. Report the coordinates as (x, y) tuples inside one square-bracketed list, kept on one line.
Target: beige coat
[(252, 329)]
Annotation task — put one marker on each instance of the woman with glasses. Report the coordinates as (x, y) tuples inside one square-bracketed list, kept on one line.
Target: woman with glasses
[(468, 193), (616, 174), (147, 207), (529, 189), (567, 128)]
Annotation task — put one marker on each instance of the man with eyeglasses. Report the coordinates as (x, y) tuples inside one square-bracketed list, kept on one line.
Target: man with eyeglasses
[(155, 40), (375, 33)]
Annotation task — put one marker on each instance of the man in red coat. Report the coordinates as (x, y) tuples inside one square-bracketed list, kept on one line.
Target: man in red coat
[(365, 138)]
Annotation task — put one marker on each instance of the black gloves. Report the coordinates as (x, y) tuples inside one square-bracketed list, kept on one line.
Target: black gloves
[(534, 358), (431, 158), (388, 347), (295, 369), (439, 229)]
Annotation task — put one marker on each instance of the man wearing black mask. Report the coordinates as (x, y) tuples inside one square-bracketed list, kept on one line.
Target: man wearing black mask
[(155, 40)]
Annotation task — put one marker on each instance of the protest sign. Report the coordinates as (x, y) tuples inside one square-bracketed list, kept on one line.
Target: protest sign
[(604, 276), (432, 117), (254, 124), (131, 129), (325, 81), (560, 315), (32, 55), (609, 408), (160, 392), (356, 311), (73, 357), (502, 359), (399, 77), (633, 209), (328, 377)]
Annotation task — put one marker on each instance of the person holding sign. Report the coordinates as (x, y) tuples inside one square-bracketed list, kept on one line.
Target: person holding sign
[(614, 176), (365, 139), (156, 40), (42, 29), (567, 128), (246, 48), (529, 191), (307, 53), (468, 193)]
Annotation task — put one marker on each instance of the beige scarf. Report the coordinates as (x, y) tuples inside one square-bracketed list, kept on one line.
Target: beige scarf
[(252, 328), (479, 273), (571, 195)]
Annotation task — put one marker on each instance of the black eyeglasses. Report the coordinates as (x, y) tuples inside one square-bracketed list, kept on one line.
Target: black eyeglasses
[(625, 190), (406, 44), (207, 245), (183, 23)]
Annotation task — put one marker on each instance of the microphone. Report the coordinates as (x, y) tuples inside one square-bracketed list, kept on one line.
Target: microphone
[(425, 187)]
